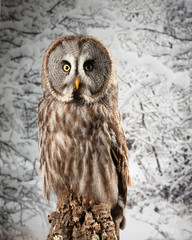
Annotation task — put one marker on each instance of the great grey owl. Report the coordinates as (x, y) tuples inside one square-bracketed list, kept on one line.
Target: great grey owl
[(82, 142)]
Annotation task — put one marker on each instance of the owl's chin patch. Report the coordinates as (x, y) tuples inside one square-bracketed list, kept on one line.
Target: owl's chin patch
[(77, 95)]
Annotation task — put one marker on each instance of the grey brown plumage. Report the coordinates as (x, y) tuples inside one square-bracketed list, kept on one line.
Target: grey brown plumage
[(82, 143)]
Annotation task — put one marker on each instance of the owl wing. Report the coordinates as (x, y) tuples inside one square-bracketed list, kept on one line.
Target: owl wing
[(120, 154), (44, 137)]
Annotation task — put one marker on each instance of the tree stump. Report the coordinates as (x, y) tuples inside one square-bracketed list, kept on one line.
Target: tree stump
[(76, 218)]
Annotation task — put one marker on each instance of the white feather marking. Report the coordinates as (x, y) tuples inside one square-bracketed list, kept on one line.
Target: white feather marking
[(113, 138)]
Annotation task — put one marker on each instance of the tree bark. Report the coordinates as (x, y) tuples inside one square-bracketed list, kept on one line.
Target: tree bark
[(76, 218)]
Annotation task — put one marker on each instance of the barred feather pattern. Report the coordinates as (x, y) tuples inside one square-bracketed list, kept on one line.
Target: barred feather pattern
[(75, 149)]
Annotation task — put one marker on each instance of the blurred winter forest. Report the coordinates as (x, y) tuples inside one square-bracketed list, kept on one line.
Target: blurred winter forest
[(151, 42)]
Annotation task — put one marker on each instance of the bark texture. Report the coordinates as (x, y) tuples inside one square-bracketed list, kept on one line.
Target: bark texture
[(75, 218)]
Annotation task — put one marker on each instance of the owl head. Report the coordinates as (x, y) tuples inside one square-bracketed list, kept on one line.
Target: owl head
[(80, 69)]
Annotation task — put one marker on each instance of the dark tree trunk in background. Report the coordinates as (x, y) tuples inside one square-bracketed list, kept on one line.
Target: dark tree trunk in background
[(76, 218)]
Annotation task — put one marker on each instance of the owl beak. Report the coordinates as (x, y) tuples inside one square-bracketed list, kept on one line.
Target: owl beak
[(77, 82)]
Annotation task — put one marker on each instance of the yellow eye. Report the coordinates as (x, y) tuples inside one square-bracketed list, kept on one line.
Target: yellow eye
[(66, 67), (88, 67)]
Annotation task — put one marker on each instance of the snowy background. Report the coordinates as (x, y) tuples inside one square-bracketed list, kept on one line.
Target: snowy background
[(151, 42)]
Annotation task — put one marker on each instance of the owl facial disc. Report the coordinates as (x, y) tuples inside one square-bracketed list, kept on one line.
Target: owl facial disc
[(80, 64)]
